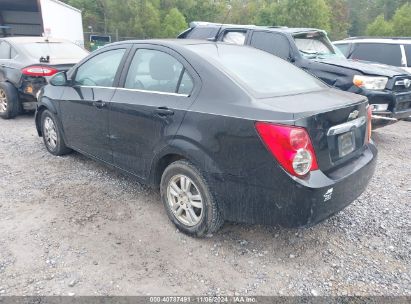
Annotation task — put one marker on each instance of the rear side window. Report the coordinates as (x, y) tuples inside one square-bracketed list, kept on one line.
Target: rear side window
[(4, 50), (153, 70), (234, 37), (408, 53), (273, 43), (344, 48), (100, 70), (378, 52)]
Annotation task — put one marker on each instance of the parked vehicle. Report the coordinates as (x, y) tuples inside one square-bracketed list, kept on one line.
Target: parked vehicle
[(389, 51), (226, 132), (385, 87), (26, 63)]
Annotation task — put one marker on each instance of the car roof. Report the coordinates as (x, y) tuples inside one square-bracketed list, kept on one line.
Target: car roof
[(32, 39), (284, 29), (164, 42), (386, 40)]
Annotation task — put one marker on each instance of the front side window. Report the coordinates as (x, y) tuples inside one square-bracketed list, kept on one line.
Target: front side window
[(344, 48), (4, 50), (273, 43), (234, 37), (100, 70), (378, 52), (153, 70), (262, 74), (408, 53)]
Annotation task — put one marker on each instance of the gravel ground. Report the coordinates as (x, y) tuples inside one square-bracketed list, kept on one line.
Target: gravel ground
[(71, 226)]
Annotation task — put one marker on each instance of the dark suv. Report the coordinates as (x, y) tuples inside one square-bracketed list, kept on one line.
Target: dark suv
[(310, 49)]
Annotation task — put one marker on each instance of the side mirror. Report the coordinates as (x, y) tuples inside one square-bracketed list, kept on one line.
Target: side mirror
[(59, 80)]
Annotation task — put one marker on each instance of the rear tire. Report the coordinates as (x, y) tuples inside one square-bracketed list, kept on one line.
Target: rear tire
[(9, 101), (189, 203), (52, 135)]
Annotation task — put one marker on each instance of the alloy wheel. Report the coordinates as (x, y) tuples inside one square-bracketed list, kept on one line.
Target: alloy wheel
[(185, 200), (3, 101), (50, 133)]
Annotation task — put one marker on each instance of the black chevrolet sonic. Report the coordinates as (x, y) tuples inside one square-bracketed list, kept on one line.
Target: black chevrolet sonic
[(226, 132)]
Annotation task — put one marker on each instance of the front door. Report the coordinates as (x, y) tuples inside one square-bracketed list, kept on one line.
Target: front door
[(146, 113), (84, 105)]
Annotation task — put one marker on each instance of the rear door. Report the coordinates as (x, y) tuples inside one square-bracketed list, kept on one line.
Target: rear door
[(84, 105), (158, 86)]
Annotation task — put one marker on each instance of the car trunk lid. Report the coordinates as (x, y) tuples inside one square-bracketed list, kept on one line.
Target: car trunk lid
[(335, 120)]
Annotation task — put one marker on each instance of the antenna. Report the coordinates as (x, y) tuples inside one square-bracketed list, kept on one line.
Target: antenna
[(222, 24)]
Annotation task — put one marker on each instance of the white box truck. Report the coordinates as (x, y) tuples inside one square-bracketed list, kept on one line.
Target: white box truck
[(50, 18)]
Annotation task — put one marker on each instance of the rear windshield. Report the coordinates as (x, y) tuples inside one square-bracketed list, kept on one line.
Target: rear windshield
[(56, 50), (261, 73)]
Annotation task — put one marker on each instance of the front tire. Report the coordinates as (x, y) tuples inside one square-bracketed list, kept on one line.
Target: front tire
[(188, 200), (9, 101), (52, 135)]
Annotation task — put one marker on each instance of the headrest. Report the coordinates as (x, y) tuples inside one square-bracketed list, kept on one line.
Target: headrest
[(162, 67)]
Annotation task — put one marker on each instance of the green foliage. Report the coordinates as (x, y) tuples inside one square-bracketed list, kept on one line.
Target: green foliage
[(303, 13), (402, 21), (173, 24), (380, 27), (166, 18)]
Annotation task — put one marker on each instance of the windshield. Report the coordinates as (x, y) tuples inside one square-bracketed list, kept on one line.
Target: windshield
[(56, 50), (261, 73), (316, 45)]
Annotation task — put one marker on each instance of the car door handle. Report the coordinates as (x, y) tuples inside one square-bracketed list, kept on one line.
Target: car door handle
[(163, 112), (99, 104)]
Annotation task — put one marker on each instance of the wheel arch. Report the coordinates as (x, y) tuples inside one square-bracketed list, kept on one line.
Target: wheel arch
[(181, 149), (44, 104)]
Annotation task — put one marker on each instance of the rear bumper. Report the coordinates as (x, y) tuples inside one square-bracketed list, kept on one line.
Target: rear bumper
[(292, 202), (330, 193)]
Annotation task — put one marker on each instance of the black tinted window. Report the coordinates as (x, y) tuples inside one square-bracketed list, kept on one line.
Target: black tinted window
[(344, 48), (157, 71), (100, 70), (203, 33), (408, 53), (4, 50), (378, 52), (273, 43)]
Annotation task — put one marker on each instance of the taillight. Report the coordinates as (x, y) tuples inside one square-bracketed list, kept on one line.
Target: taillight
[(37, 70), (291, 146), (369, 123)]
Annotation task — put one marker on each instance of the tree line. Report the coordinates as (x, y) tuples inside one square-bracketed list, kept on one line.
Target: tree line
[(167, 18)]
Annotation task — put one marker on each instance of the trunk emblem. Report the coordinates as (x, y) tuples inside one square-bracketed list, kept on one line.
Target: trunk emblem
[(353, 115), (328, 195)]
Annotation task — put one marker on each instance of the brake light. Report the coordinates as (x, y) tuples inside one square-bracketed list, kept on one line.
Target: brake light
[(291, 146), (369, 123), (37, 70)]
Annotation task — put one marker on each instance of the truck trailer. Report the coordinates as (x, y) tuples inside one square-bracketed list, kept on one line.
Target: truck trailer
[(49, 18)]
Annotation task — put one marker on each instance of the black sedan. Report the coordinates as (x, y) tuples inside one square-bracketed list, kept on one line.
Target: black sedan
[(26, 63), (226, 132)]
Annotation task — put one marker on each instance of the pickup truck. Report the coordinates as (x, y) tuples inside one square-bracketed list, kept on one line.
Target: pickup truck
[(386, 87)]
